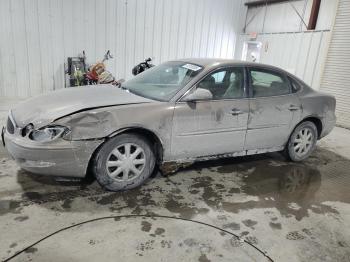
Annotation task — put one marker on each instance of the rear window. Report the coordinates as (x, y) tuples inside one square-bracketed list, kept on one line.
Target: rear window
[(295, 85), (268, 83)]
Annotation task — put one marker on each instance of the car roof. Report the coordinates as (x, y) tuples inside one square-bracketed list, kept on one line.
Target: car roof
[(217, 62)]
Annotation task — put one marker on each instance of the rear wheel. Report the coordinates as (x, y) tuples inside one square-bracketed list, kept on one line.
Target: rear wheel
[(124, 162), (302, 141)]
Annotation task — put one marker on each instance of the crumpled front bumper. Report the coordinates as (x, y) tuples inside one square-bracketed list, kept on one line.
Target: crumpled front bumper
[(57, 158)]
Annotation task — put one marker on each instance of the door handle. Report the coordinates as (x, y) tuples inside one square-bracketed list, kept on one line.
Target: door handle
[(236, 112), (293, 108)]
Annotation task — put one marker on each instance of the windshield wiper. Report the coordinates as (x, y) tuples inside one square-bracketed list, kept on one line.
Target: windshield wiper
[(123, 87), (128, 90)]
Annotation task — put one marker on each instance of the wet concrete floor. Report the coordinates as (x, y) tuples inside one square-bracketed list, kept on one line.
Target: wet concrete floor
[(293, 212)]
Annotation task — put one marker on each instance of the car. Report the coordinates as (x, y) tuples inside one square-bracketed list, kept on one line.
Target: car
[(173, 114)]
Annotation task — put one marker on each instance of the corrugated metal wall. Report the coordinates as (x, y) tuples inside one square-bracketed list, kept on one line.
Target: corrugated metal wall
[(301, 53), (283, 17), (36, 36), (286, 44), (336, 77)]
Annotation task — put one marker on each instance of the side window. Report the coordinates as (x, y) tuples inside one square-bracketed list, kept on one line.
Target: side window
[(219, 76), (295, 85), (267, 83), (225, 84)]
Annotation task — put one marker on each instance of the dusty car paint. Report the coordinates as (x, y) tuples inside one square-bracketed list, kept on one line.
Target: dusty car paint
[(184, 131), (42, 110)]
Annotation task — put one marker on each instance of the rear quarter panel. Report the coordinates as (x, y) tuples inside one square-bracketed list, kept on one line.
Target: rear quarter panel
[(319, 105)]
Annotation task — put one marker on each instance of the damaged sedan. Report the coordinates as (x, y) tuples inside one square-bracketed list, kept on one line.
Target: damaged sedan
[(175, 113)]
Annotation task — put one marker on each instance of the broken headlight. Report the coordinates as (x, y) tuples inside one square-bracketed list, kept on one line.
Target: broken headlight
[(48, 133), (27, 129)]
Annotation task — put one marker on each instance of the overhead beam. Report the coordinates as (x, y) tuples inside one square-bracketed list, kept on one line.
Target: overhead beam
[(265, 2), (315, 9)]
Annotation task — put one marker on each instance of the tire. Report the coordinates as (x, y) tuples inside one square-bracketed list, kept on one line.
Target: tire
[(305, 135), (125, 170)]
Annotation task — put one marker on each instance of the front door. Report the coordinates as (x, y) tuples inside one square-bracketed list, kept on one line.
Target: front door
[(212, 127), (274, 110)]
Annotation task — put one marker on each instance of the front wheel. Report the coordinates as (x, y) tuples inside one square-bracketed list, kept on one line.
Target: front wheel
[(302, 142), (124, 162)]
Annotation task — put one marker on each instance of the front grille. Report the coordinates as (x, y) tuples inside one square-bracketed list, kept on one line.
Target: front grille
[(9, 126)]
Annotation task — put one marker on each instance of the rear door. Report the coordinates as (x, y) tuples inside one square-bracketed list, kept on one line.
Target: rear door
[(274, 110)]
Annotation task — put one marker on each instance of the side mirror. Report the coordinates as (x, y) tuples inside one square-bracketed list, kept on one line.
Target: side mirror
[(198, 94)]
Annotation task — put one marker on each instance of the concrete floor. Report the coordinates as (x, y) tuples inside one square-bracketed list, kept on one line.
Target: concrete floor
[(293, 212)]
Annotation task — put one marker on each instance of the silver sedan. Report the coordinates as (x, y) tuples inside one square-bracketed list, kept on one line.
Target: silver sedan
[(173, 114)]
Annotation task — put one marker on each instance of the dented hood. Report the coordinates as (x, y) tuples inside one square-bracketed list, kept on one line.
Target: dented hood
[(42, 110)]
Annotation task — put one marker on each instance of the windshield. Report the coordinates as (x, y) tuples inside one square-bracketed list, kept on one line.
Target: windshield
[(164, 81)]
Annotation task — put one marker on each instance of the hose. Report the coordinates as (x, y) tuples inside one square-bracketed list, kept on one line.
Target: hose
[(132, 216)]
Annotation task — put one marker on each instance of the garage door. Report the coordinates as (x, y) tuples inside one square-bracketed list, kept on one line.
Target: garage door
[(336, 76)]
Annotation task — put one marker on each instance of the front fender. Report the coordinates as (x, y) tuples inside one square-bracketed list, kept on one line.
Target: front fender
[(100, 123), (90, 124)]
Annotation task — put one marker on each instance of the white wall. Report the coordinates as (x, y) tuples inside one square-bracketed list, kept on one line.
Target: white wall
[(285, 40), (301, 53), (36, 36)]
